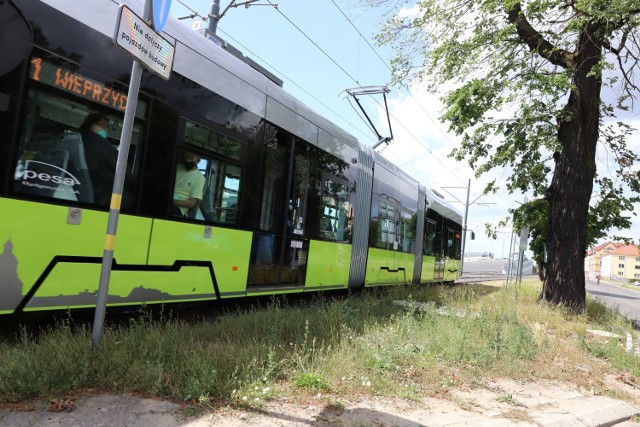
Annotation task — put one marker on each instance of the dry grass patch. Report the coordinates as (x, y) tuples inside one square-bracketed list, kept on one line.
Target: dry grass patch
[(361, 345), (519, 415)]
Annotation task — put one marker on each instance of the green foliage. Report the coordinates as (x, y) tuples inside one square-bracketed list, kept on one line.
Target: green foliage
[(510, 68), (508, 398), (607, 212), (613, 352), (312, 381)]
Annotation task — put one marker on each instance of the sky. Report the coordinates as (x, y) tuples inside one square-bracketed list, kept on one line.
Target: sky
[(320, 48)]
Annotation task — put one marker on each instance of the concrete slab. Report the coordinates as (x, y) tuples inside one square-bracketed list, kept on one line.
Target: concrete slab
[(597, 411)]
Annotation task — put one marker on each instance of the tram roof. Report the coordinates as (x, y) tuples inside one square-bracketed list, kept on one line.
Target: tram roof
[(230, 77), (225, 74)]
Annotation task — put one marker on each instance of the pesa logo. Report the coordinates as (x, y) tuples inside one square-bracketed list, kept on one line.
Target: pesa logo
[(57, 175)]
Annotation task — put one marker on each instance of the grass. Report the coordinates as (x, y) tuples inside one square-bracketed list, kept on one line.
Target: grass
[(364, 344), (508, 398)]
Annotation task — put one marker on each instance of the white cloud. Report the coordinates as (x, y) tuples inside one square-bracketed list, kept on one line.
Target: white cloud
[(406, 12)]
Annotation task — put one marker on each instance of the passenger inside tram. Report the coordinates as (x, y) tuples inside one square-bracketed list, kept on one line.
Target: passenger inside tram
[(189, 185), (101, 156)]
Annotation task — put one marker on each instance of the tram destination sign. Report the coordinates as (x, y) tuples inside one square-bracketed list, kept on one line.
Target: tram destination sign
[(137, 38)]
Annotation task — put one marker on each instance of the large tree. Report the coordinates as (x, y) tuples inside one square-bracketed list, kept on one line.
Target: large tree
[(524, 83)]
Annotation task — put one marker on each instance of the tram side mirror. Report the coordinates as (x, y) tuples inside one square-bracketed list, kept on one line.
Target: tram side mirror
[(473, 236)]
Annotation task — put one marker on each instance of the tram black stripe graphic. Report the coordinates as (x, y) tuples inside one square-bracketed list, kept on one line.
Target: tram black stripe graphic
[(60, 259)]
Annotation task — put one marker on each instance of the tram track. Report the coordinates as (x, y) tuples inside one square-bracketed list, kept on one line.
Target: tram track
[(481, 276), (35, 323)]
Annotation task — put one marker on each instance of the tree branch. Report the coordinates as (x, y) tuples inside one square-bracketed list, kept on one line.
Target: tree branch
[(536, 41), (607, 45)]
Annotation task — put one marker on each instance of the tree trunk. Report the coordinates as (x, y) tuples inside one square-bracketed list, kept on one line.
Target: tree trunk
[(541, 267), (572, 183)]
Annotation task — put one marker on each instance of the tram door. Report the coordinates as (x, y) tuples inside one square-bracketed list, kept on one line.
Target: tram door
[(440, 253), (433, 260), (279, 249)]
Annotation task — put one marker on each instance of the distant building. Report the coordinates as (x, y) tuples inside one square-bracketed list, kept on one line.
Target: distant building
[(622, 263), (593, 260)]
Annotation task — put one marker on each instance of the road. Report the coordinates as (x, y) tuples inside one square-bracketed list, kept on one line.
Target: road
[(483, 270), (627, 301)]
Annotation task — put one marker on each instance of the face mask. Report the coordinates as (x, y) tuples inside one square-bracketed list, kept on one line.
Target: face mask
[(189, 165), (102, 133)]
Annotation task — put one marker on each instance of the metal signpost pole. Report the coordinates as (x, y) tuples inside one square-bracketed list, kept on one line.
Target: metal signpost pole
[(148, 48), (524, 236), (506, 284), (116, 196), (116, 200)]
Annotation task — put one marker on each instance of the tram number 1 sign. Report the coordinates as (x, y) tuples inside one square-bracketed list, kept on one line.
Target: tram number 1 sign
[(140, 41)]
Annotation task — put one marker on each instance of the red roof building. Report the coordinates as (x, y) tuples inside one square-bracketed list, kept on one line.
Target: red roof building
[(622, 263)]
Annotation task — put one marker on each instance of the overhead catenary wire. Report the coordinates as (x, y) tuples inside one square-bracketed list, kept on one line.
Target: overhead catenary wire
[(193, 11), (359, 85), (290, 80), (427, 149), (415, 100), (426, 113), (324, 52), (400, 123), (237, 42)]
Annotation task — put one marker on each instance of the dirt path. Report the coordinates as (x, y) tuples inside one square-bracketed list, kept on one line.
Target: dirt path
[(499, 403)]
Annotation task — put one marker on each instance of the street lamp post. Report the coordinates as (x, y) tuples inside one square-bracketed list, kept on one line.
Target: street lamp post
[(466, 214)]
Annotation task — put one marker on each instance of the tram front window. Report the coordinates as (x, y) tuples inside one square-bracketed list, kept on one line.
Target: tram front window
[(69, 141)]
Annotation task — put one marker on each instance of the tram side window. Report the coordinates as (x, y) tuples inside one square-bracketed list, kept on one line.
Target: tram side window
[(276, 156), (407, 232), (387, 224), (453, 244), (429, 248), (68, 150), (207, 188), (319, 204), (336, 212), (306, 173)]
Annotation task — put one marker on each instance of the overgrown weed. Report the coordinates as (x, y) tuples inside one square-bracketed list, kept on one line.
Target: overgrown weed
[(356, 345)]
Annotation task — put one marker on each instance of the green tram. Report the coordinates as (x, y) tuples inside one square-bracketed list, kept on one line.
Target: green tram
[(290, 202)]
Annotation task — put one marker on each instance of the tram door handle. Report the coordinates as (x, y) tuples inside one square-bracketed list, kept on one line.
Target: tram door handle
[(74, 216), (290, 214)]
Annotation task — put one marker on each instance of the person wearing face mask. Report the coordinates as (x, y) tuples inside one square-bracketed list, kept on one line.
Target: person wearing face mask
[(101, 156), (189, 185)]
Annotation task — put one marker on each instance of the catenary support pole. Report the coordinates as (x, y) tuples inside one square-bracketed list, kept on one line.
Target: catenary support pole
[(214, 16), (464, 228)]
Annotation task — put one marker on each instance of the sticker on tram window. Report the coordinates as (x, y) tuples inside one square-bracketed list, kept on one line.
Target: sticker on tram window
[(296, 244), (40, 175), (63, 78)]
